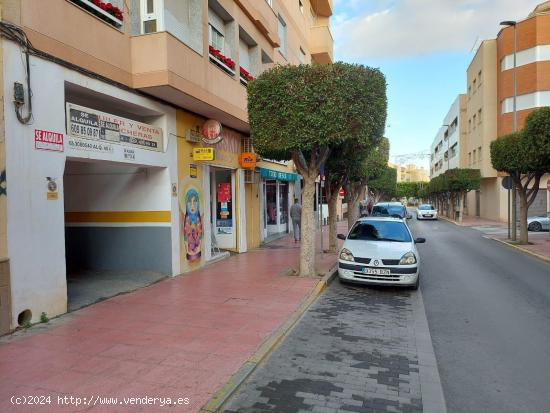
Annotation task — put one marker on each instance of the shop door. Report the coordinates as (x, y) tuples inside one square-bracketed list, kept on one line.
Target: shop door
[(271, 207), (222, 192), (283, 207)]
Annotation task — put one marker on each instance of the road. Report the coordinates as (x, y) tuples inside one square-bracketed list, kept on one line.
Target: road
[(488, 309)]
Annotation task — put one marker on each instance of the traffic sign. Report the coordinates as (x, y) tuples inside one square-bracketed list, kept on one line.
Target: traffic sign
[(507, 182)]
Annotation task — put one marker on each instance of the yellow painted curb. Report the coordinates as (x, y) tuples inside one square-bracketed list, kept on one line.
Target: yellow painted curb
[(222, 395), (534, 254)]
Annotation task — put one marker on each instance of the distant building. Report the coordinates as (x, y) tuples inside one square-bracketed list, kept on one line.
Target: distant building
[(410, 173)]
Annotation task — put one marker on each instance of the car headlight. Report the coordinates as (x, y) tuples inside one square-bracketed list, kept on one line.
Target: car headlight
[(408, 259), (346, 255)]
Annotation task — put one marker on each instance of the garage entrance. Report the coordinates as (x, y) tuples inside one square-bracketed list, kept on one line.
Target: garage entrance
[(117, 229)]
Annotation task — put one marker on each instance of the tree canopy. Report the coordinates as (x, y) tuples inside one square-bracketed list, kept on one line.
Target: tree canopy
[(384, 185)]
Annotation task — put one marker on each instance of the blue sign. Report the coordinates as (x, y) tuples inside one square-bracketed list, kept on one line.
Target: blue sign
[(278, 175)]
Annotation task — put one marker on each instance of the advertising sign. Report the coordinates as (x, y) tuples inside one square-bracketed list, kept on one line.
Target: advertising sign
[(203, 154), (224, 192), (94, 125), (212, 132), (247, 159), (48, 141)]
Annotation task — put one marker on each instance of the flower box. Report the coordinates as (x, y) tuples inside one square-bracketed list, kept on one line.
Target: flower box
[(245, 76), (218, 58), (105, 11)]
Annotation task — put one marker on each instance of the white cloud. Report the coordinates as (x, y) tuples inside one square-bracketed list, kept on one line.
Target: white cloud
[(418, 27)]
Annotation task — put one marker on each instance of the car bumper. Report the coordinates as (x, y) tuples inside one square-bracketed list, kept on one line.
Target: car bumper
[(404, 275), (419, 216)]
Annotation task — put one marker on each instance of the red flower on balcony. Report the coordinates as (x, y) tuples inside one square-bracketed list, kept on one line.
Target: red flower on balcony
[(220, 56), (245, 74), (107, 7)]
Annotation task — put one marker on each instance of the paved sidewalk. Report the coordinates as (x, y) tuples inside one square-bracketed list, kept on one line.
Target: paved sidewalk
[(357, 349), (179, 338)]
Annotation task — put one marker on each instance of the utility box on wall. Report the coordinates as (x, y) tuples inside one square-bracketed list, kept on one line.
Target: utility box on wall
[(5, 297)]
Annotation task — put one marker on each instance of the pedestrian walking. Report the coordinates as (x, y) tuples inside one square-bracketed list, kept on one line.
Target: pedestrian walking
[(296, 216)]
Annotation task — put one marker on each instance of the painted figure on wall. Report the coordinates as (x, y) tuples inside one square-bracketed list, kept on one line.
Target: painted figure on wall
[(192, 225)]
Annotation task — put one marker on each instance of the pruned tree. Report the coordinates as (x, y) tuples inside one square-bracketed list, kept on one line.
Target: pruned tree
[(384, 186), (302, 112), (525, 156)]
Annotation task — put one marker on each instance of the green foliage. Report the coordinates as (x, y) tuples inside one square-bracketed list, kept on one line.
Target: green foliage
[(385, 184), (44, 317), (453, 181), (304, 108), (408, 189)]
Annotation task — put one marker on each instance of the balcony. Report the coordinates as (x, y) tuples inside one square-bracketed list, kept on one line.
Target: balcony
[(322, 7), (263, 17), (321, 44), (186, 79)]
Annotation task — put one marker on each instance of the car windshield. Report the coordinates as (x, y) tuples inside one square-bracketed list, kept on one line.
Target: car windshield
[(426, 208), (380, 231), (388, 210)]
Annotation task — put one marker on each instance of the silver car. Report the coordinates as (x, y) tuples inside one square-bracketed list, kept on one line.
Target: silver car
[(538, 223)]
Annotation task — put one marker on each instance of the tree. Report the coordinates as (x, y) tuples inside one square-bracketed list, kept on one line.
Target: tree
[(525, 156), (408, 189), (302, 112), (384, 186), (460, 181)]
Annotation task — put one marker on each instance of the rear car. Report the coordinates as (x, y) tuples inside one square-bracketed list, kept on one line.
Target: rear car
[(538, 223), (380, 251), (390, 209), (426, 211)]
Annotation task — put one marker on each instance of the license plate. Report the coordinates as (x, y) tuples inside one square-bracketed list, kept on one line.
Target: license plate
[(376, 271), (428, 215)]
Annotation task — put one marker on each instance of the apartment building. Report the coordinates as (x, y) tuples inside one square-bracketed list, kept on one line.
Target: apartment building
[(481, 112), (448, 149), (410, 173), (125, 143), (532, 78)]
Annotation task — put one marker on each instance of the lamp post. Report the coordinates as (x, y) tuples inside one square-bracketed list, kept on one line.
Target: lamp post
[(512, 23)]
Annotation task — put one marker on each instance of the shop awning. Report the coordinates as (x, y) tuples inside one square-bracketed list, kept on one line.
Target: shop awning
[(278, 175)]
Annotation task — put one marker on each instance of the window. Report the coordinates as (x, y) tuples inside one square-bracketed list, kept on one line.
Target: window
[(301, 6), (479, 79), (152, 16), (469, 91), (215, 38), (302, 56), (283, 36), (474, 122), (474, 86), (270, 2), (479, 153), (469, 125), (469, 158), (479, 116), (474, 156)]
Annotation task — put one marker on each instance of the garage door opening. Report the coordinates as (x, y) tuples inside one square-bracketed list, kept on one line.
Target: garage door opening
[(117, 229)]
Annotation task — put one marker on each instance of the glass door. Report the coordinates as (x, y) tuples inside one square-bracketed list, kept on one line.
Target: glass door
[(271, 207), (222, 193), (283, 207)]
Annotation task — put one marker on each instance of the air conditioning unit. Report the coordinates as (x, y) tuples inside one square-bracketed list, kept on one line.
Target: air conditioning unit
[(192, 136)]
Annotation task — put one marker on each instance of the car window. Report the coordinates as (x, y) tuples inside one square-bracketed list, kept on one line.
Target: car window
[(426, 208), (380, 231), (388, 210)]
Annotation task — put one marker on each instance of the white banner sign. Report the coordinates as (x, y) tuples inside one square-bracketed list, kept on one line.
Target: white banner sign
[(100, 126)]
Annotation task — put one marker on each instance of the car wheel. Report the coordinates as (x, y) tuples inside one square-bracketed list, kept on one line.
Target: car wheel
[(535, 226), (417, 284)]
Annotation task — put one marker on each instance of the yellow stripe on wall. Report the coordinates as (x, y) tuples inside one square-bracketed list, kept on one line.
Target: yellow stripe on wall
[(118, 216)]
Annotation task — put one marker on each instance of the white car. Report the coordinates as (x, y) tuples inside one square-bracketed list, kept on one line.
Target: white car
[(382, 251), (426, 211)]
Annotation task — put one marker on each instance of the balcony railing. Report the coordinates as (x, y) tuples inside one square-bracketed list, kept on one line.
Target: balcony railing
[(105, 11), (245, 76), (223, 62)]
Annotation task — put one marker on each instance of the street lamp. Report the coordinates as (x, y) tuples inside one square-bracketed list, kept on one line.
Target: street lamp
[(512, 23)]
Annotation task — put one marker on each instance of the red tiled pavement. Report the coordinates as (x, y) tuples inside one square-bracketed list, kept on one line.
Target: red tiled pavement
[(183, 337), (539, 243)]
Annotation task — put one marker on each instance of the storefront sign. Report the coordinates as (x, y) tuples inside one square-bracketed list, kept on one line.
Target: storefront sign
[(224, 192), (84, 145), (52, 193), (174, 189), (48, 141), (94, 125), (278, 175), (129, 154), (247, 160), (193, 171), (212, 132), (203, 154)]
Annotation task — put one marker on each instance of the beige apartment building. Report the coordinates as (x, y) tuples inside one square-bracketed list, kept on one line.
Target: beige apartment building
[(135, 155), (410, 173)]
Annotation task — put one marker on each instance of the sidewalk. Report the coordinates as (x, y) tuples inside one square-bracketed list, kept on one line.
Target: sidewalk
[(539, 242), (179, 338)]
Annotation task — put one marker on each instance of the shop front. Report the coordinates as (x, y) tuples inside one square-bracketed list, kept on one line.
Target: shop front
[(277, 189)]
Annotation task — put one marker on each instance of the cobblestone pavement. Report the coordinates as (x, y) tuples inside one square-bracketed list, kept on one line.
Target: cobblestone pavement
[(356, 350)]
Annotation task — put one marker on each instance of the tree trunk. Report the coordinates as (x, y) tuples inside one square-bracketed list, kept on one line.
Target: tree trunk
[(353, 205), (307, 250), (460, 207), (523, 209), (332, 222)]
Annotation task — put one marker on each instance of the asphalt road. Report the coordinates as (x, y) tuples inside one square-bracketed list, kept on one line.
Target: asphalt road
[(488, 310)]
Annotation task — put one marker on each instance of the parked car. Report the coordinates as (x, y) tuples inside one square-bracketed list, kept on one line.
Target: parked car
[(390, 209), (426, 211), (382, 251), (538, 223)]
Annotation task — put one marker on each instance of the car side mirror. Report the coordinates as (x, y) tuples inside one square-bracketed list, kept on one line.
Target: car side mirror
[(341, 236), (420, 241), (409, 216)]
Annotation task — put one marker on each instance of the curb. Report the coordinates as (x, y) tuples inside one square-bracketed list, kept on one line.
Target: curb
[(534, 254), (449, 220), (221, 396)]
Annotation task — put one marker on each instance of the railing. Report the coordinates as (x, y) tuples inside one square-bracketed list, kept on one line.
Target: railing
[(104, 11), (223, 62)]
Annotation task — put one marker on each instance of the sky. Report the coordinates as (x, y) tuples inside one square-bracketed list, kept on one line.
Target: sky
[(424, 48)]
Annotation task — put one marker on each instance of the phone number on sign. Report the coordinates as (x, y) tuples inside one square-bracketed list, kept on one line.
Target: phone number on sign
[(99, 401)]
